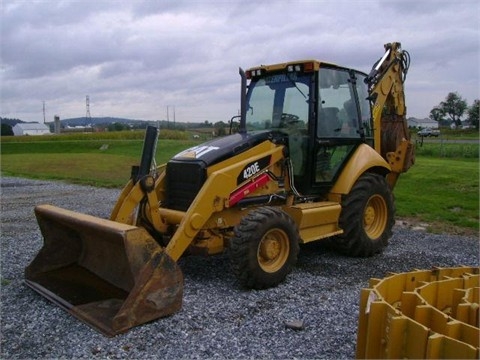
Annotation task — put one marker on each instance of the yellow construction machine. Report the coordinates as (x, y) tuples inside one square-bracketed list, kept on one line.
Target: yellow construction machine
[(318, 151)]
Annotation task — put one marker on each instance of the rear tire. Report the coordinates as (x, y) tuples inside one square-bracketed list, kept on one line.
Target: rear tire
[(367, 217), (264, 248)]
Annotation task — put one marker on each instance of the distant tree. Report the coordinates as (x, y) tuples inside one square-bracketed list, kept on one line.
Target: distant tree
[(118, 127), (436, 114), (473, 113), (6, 130), (180, 126), (220, 128), (11, 122), (454, 107), (235, 125)]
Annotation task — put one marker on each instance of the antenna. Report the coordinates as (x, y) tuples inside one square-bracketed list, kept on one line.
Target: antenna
[(44, 111), (88, 117)]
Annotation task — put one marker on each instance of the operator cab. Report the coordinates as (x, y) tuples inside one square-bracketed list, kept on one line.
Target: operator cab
[(322, 109)]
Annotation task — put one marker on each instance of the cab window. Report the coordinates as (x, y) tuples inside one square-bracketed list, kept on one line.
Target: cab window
[(365, 106), (337, 110)]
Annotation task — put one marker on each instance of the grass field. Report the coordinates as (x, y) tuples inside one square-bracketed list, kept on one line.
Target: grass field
[(443, 149), (103, 162), (441, 189), (442, 192)]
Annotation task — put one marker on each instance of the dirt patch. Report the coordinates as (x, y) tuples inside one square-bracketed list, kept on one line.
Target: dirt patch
[(435, 227)]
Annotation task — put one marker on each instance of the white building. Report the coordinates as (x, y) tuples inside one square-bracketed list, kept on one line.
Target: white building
[(425, 123), (30, 129)]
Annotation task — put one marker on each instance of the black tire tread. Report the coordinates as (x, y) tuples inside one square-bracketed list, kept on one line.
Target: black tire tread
[(354, 242), (242, 249)]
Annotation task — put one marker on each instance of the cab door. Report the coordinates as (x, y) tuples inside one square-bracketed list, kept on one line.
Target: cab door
[(341, 124)]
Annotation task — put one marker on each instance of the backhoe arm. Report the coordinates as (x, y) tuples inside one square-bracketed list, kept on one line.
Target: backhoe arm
[(391, 134)]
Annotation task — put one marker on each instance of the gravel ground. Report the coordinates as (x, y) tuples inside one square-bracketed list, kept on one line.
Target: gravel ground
[(218, 319)]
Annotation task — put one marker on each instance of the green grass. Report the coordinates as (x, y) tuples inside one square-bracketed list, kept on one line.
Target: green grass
[(441, 189), (109, 135), (103, 162), (453, 134), (448, 150), (442, 192)]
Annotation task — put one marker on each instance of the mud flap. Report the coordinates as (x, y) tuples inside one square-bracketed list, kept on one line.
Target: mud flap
[(110, 275)]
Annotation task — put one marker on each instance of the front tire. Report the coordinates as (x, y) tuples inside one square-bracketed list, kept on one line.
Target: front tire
[(264, 248), (367, 217)]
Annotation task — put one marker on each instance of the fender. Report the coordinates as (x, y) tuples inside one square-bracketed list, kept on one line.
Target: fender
[(364, 159)]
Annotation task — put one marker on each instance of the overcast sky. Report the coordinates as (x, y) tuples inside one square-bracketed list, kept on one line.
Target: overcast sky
[(135, 58)]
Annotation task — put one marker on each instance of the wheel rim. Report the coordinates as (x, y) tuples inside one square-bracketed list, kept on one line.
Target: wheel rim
[(375, 216), (273, 250)]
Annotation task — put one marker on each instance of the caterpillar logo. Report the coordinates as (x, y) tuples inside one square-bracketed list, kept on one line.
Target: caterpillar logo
[(253, 168), (197, 152)]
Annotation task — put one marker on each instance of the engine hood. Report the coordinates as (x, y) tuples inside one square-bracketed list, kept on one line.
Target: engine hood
[(214, 151)]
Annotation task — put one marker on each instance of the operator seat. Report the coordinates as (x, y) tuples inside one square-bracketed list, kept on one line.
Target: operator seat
[(350, 110), (329, 125), (350, 127)]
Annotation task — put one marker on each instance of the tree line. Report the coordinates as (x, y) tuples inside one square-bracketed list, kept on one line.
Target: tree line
[(220, 128), (452, 110)]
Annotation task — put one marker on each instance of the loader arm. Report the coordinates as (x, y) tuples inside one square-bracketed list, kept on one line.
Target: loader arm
[(214, 197), (132, 195), (391, 134), (140, 193)]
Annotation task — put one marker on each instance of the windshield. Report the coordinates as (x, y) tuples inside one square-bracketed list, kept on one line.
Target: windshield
[(278, 101)]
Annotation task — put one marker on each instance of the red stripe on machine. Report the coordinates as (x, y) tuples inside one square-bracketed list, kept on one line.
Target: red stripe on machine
[(239, 194)]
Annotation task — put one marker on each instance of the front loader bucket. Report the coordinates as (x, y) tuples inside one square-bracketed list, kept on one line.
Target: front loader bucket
[(110, 275)]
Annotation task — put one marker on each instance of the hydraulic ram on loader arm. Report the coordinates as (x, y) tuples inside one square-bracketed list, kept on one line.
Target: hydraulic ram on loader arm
[(109, 274)]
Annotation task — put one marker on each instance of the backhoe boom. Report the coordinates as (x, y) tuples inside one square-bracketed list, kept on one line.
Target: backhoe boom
[(386, 89)]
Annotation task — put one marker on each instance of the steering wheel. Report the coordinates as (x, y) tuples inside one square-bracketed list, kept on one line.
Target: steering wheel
[(288, 119)]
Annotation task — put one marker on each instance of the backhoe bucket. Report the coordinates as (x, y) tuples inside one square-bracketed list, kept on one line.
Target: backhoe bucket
[(110, 275)]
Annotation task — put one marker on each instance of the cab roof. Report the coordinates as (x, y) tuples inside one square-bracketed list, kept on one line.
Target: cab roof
[(282, 66)]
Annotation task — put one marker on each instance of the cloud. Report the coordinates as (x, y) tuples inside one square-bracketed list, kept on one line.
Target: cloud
[(133, 58)]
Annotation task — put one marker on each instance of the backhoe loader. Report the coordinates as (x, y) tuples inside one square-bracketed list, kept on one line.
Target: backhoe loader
[(317, 154)]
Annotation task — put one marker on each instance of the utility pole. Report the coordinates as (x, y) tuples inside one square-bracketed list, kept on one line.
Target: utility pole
[(168, 117), (44, 111), (168, 120), (88, 117)]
